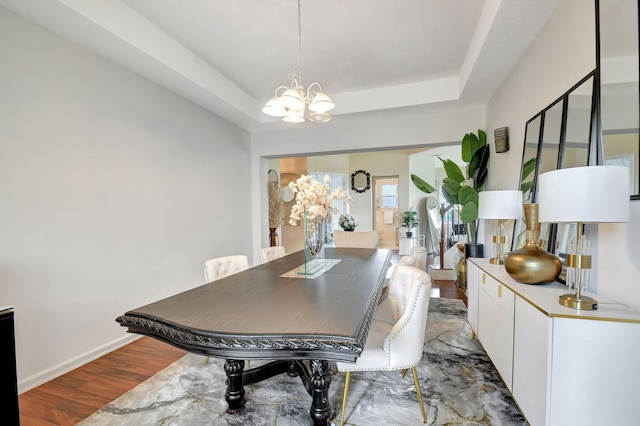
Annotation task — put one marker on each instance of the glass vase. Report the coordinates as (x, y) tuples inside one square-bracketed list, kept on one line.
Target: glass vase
[(313, 239)]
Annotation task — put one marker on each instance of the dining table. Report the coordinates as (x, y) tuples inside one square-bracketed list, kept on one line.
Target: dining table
[(298, 313)]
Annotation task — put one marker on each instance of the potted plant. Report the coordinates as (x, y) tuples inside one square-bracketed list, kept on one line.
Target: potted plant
[(463, 190), (410, 221)]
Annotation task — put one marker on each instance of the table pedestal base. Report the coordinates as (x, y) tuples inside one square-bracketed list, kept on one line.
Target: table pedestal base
[(316, 379)]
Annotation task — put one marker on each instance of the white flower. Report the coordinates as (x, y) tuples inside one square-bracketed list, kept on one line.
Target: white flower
[(314, 199), (347, 221)]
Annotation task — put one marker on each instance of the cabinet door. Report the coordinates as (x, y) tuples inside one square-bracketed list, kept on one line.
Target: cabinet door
[(473, 276), (531, 361), (595, 368), (495, 325)]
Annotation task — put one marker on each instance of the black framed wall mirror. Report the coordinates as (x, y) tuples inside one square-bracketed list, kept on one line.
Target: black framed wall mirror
[(557, 137), (617, 62), (600, 118), (360, 181)]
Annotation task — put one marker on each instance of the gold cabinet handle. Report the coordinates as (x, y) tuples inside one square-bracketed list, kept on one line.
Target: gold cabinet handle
[(500, 291), (484, 278)]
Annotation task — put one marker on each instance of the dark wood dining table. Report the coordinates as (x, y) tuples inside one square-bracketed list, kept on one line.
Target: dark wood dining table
[(272, 311)]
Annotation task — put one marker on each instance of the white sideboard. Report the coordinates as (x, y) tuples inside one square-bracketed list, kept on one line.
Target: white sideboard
[(563, 366)]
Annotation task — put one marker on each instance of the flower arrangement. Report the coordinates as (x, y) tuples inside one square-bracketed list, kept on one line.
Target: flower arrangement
[(348, 222), (314, 200)]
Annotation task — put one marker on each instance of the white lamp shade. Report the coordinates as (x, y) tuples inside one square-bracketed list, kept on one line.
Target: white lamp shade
[(292, 99), (321, 103), (500, 205), (274, 108), (590, 194)]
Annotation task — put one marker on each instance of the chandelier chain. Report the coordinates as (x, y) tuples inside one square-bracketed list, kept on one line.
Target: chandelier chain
[(297, 70)]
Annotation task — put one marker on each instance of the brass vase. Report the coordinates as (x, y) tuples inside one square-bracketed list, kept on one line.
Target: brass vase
[(532, 264)]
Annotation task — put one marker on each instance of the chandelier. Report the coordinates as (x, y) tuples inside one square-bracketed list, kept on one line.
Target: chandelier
[(291, 103)]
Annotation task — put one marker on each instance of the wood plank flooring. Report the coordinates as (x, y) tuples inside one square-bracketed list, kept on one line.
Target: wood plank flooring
[(76, 395)]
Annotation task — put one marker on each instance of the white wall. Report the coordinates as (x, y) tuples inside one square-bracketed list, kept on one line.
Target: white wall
[(114, 191), (379, 164), (348, 134), (560, 56)]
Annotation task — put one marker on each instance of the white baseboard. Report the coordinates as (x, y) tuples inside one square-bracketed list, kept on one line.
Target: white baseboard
[(38, 379)]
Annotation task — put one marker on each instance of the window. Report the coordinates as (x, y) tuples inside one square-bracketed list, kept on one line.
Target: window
[(389, 196)]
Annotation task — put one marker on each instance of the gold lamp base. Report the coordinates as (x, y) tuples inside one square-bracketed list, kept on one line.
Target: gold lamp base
[(582, 302), (496, 261)]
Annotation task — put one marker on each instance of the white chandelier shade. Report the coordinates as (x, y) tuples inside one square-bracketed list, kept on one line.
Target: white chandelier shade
[(291, 104)]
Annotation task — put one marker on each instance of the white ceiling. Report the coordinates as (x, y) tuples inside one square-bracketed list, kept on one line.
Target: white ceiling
[(369, 55)]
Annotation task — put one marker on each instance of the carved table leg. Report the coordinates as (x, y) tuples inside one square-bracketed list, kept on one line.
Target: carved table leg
[(234, 395), (320, 381)]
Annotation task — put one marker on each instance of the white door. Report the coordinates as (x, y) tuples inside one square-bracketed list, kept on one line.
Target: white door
[(385, 218)]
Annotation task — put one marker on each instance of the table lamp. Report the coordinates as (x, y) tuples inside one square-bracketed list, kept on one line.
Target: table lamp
[(591, 194), (501, 205)]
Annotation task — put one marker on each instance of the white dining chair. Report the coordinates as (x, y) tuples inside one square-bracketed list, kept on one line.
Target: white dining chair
[(396, 336), (268, 254), (221, 267), (417, 258)]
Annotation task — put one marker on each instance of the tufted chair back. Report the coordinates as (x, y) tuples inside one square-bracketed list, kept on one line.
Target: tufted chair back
[(364, 239), (268, 254), (409, 298), (396, 343), (221, 267), (417, 258)]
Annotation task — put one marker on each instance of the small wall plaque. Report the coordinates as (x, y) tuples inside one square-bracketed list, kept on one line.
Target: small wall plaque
[(501, 137)]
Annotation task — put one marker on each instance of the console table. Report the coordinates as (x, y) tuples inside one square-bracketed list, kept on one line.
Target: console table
[(269, 312), (563, 366)]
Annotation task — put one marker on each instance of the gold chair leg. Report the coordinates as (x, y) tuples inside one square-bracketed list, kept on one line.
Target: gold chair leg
[(419, 392), (347, 377), (403, 372)]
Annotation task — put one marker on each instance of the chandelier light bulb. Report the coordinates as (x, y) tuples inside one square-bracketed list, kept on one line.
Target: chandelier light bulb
[(319, 117), (294, 116)]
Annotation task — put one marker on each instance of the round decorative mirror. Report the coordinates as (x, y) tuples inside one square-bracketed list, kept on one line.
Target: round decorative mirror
[(273, 178), (360, 181)]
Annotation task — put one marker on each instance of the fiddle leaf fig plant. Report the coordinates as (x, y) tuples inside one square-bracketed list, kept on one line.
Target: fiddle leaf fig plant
[(460, 189)]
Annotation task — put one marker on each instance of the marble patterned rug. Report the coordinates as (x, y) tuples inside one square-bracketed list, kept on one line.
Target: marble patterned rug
[(460, 386)]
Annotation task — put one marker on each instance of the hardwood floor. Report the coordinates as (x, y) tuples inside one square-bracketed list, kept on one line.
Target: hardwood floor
[(76, 395)]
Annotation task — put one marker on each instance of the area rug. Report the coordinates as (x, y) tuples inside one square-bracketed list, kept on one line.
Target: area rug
[(460, 386)]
